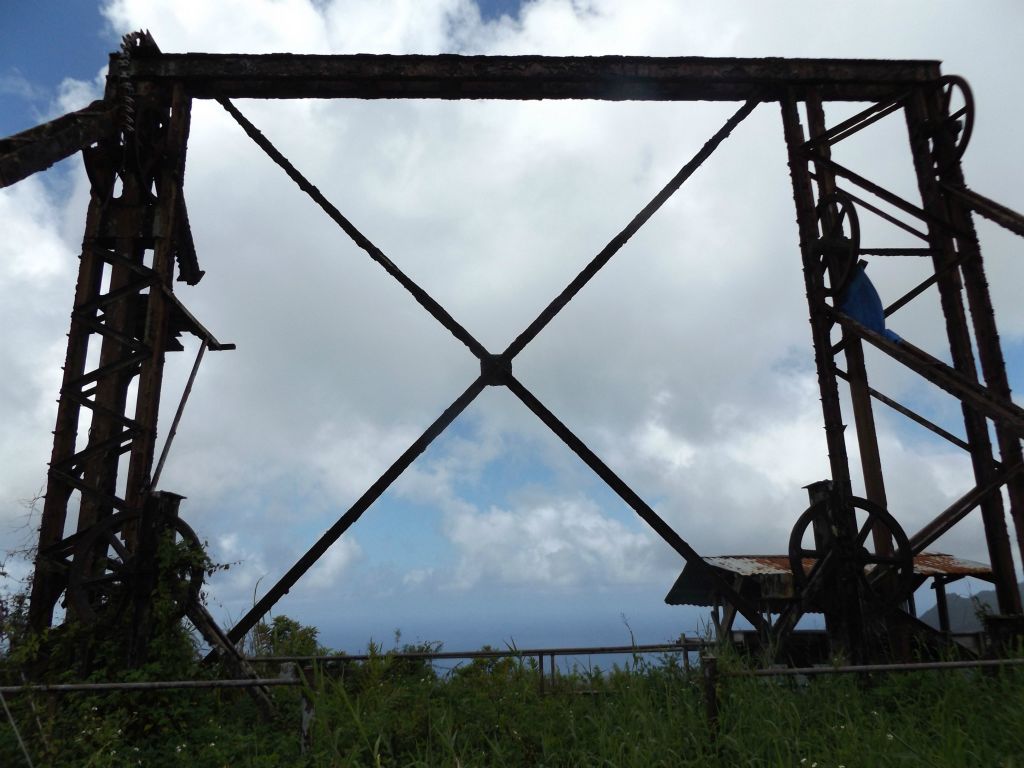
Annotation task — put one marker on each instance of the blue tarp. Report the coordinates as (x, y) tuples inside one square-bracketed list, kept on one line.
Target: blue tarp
[(861, 301)]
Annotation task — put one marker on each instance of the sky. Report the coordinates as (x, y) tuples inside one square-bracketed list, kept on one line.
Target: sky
[(685, 365)]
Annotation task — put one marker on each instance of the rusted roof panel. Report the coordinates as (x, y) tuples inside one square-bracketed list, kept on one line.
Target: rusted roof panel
[(751, 565), (771, 577), (925, 564), (935, 564)]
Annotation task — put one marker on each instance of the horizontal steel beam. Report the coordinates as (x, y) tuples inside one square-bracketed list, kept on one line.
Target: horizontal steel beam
[(611, 78), (38, 148), (980, 398)]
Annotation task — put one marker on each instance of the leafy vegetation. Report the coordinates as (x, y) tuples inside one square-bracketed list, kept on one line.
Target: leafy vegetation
[(491, 712)]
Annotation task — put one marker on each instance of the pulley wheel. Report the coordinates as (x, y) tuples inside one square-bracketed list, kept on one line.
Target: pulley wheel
[(104, 573), (838, 248), (887, 578), (958, 113)]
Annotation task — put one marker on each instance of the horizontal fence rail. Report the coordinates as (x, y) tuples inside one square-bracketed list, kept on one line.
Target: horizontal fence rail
[(154, 685), (527, 653), (868, 668), (689, 645)]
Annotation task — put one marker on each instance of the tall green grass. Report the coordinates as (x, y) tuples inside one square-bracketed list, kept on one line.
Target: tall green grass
[(393, 712)]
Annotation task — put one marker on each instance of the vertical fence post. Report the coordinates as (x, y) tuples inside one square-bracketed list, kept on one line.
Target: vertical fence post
[(709, 670), (307, 711), (291, 671)]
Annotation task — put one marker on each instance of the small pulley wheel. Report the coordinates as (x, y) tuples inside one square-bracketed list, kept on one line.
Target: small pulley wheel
[(887, 578), (957, 115), (104, 573), (838, 248)]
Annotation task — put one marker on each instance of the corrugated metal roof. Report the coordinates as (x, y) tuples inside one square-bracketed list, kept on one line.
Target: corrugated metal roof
[(925, 564), (769, 578), (753, 565), (934, 564)]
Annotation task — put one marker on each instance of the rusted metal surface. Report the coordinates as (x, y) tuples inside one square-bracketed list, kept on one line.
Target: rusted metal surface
[(38, 148), (936, 564), (933, 148), (125, 305), (774, 575), (846, 622), (926, 563), (860, 392), (168, 182), (615, 78), (959, 202)]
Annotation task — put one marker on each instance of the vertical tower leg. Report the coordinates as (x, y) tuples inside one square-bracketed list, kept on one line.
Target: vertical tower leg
[(948, 171), (923, 126), (860, 395), (846, 621)]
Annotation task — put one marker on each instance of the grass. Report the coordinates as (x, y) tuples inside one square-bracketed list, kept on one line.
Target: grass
[(390, 712)]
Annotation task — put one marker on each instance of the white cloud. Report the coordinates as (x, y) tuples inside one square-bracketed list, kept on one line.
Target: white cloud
[(73, 94), (16, 84), (323, 577), (36, 279), (567, 543)]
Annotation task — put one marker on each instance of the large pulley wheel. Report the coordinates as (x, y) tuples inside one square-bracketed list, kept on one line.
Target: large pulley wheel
[(105, 575), (887, 578), (838, 248), (958, 112)]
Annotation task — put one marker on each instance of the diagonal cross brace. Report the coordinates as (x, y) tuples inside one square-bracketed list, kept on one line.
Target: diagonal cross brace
[(286, 582), (631, 229), (495, 370), (425, 299), (638, 505)]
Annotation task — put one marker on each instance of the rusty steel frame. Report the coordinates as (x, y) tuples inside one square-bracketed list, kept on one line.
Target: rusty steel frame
[(145, 83), (136, 230)]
